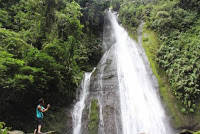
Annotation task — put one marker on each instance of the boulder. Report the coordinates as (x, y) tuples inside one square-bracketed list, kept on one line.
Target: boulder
[(185, 131), (49, 132), (15, 132)]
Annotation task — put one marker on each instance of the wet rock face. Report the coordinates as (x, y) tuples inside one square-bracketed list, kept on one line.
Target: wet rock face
[(104, 88), (108, 36), (69, 127)]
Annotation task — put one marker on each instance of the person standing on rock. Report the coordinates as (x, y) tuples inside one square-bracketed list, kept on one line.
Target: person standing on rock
[(39, 115)]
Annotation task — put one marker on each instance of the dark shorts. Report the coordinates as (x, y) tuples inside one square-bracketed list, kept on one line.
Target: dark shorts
[(39, 121)]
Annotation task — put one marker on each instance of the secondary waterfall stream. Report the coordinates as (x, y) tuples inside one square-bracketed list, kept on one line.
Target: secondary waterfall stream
[(126, 90), (79, 106)]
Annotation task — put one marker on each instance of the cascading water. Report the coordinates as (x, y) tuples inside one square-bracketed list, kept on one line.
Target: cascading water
[(79, 106), (100, 97), (124, 86), (141, 108)]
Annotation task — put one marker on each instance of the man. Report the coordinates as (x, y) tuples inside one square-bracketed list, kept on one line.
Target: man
[(39, 115)]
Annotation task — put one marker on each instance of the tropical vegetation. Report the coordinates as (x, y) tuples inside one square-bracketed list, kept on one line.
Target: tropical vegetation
[(177, 24), (45, 46)]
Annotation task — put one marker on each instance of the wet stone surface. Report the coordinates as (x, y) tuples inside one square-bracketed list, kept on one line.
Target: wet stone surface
[(104, 88)]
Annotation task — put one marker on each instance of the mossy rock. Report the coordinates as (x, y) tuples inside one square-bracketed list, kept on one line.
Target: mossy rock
[(93, 117), (185, 131)]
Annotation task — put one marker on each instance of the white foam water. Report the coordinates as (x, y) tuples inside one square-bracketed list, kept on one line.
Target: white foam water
[(141, 108), (80, 105)]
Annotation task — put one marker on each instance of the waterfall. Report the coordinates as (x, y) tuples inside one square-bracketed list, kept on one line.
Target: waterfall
[(125, 87), (141, 108), (79, 106)]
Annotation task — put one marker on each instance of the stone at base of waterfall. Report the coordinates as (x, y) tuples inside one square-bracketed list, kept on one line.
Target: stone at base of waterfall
[(15, 132), (185, 131), (49, 132)]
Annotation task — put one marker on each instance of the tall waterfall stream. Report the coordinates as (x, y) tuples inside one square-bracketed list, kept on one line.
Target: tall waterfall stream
[(139, 110)]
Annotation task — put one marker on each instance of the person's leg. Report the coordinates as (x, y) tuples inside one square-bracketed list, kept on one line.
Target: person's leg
[(40, 125), (39, 128), (35, 131)]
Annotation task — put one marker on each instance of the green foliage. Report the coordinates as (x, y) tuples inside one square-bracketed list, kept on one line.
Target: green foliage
[(13, 44), (3, 129), (151, 45), (4, 34), (91, 46), (43, 53), (115, 4), (93, 117), (190, 4), (37, 75), (4, 17), (168, 17), (131, 13), (68, 21), (30, 21), (93, 14), (178, 55), (183, 70), (177, 24)]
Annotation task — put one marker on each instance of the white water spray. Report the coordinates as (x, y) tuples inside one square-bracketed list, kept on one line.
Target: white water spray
[(141, 108), (79, 106)]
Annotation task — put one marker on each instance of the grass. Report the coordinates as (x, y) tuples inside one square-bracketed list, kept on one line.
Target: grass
[(151, 45), (93, 117)]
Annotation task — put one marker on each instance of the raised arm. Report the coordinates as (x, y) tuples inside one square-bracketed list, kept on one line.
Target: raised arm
[(45, 109)]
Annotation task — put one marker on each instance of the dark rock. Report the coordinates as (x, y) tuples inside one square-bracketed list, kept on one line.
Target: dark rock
[(104, 88), (185, 131)]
